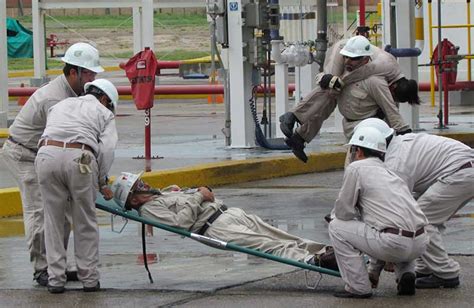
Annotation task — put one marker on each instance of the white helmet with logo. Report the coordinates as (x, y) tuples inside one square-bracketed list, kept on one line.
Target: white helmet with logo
[(357, 46), (122, 186), (83, 55), (108, 88), (369, 138), (380, 125)]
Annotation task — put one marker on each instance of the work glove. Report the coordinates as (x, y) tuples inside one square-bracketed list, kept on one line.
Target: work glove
[(329, 81)]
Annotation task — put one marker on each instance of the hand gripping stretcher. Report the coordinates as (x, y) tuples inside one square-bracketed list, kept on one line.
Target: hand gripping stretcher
[(115, 210)]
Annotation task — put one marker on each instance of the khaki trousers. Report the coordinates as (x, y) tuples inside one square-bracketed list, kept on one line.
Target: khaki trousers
[(439, 202), (351, 239), (61, 182), (250, 231), (20, 162)]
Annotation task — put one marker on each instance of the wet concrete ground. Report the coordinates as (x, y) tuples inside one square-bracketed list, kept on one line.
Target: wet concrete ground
[(191, 274)]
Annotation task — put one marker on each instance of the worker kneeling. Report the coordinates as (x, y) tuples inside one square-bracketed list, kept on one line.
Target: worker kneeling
[(375, 214), (198, 211)]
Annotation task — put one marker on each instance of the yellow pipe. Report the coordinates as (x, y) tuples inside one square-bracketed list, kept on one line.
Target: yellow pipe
[(432, 83), (455, 26), (468, 2)]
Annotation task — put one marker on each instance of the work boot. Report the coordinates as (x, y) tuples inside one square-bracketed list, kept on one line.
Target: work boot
[(406, 285), (71, 276), (326, 260), (296, 143), (41, 277), (435, 282), (287, 123), (56, 290), (93, 289), (421, 275)]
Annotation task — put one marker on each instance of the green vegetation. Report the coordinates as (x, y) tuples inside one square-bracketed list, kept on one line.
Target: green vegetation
[(27, 64), (117, 21), (177, 54)]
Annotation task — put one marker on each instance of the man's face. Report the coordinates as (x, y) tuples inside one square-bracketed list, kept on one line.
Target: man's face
[(354, 63), (81, 77)]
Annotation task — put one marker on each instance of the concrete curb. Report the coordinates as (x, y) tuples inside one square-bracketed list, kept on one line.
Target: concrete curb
[(213, 174)]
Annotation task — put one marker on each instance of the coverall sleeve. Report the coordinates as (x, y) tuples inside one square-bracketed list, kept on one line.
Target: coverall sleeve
[(188, 209), (345, 206), (107, 143), (378, 89)]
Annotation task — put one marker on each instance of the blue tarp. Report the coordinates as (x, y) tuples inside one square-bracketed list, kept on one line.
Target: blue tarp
[(19, 40)]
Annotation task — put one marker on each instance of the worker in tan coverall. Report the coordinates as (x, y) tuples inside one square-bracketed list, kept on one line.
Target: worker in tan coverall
[(375, 214), (440, 171), (199, 212), (370, 80), (19, 151), (76, 152)]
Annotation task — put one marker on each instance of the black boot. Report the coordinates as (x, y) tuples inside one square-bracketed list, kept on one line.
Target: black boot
[(287, 123), (296, 143)]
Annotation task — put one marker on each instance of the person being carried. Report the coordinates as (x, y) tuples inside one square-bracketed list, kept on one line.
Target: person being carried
[(198, 211), (363, 81), (376, 215)]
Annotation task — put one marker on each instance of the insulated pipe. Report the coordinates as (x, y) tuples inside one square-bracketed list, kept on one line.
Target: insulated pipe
[(419, 33), (167, 90)]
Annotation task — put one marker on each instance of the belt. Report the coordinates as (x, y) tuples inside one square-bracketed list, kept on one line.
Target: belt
[(211, 219), (467, 165), (66, 145), (16, 142), (404, 232)]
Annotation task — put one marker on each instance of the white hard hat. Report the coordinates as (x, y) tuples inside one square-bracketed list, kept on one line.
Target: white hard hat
[(122, 186), (107, 87), (357, 46), (369, 138), (378, 124), (83, 55)]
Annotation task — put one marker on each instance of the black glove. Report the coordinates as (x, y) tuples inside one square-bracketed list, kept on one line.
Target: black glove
[(406, 131), (329, 81)]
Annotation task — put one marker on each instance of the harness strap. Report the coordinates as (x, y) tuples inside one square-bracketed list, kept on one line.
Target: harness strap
[(145, 259)]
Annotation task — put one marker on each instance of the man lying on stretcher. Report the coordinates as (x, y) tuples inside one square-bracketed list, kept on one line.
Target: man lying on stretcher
[(197, 211)]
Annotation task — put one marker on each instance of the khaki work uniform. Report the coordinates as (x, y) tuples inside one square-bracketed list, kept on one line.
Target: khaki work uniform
[(366, 90), (19, 153), (441, 172), (372, 199), (188, 211), (79, 121)]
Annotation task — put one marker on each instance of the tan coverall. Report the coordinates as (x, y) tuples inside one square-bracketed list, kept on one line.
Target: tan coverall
[(363, 87), (19, 155), (431, 166), (188, 211), (81, 120), (373, 198)]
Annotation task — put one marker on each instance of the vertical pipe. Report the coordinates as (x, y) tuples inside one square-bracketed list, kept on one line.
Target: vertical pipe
[(321, 39), (468, 2), (430, 33), (4, 67), (361, 12), (440, 71), (148, 140), (445, 96), (344, 16)]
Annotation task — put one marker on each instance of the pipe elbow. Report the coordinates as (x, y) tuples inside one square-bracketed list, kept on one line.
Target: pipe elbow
[(403, 52), (276, 53)]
